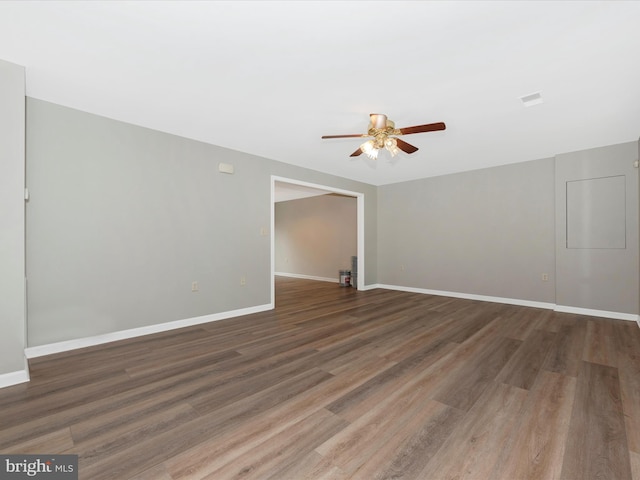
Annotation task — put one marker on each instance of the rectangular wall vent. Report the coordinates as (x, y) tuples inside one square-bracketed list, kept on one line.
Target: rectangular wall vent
[(531, 99)]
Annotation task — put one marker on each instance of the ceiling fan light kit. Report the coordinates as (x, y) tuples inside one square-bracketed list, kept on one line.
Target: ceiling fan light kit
[(384, 132), (370, 149)]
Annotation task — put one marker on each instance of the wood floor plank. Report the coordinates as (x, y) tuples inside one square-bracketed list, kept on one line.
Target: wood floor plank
[(271, 456), (56, 442), (466, 385), (143, 455), (536, 448), (106, 440), (63, 398), (629, 372), (597, 442), (476, 320), (635, 465), (565, 355), (520, 323), (359, 443), (600, 344), (337, 383), (407, 458), (553, 321), (240, 386), (470, 451), (211, 454), (157, 472), (310, 467), (306, 336), (627, 338), (435, 329), (367, 395), (356, 359), (522, 368), (145, 394), (165, 365)]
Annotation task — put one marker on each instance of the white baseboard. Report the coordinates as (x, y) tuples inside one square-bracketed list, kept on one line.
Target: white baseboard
[(22, 376), (515, 301), (41, 350), (597, 313), (307, 277), (14, 378), (470, 296)]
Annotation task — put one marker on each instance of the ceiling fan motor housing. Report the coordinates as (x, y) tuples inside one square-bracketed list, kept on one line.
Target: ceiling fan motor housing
[(378, 121)]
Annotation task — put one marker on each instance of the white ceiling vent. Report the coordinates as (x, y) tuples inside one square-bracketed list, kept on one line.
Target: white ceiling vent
[(532, 99)]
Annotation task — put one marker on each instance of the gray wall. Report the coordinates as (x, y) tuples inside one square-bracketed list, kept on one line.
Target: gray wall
[(316, 236), (123, 219), (485, 232), (12, 251), (597, 229)]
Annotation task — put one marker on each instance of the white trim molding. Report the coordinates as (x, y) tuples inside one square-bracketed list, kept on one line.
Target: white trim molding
[(515, 301), (597, 313), (22, 376), (14, 378), (470, 296), (41, 350)]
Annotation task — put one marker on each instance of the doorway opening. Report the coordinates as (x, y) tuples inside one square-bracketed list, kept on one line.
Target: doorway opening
[(288, 188)]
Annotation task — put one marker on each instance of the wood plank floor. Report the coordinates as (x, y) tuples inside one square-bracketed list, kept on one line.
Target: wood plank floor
[(337, 383)]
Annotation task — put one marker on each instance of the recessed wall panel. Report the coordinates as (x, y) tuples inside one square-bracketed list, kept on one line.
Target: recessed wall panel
[(596, 213)]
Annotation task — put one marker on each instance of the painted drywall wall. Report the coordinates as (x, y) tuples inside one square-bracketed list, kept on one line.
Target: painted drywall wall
[(315, 236), (597, 229), (486, 232), (123, 219), (12, 252)]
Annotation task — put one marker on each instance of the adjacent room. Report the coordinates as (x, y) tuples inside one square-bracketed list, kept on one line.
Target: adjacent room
[(320, 240)]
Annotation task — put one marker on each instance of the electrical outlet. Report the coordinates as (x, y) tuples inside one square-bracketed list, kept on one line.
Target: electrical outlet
[(243, 281), (194, 286), (545, 277)]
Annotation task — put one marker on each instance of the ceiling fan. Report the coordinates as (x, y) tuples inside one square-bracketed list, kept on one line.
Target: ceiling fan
[(384, 133)]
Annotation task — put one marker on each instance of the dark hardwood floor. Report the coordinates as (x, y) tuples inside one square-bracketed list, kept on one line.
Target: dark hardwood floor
[(338, 384)]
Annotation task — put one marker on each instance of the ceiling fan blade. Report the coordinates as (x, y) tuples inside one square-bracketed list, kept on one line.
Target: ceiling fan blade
[(355, 135), (356, 153), (406, 147), (430, 127)]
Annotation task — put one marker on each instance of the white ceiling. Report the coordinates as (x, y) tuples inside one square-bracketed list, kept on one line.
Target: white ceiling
[(270, 78)]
